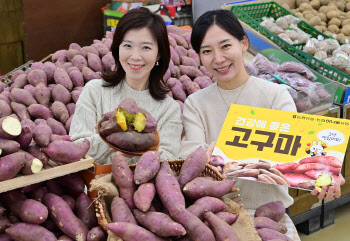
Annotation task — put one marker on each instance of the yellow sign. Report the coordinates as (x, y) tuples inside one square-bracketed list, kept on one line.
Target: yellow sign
[(250, 134)]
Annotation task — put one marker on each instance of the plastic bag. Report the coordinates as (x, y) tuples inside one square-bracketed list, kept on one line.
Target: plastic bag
[(262, 64), (267, 22), (345, 48), (329, 61), (322, 46), (310, 46), (302, 37), (320, 55), (341, 62), (332, 45), (292, 34), (285, 37), (285, 21), (294, 79), (251, 70), (293, 67)]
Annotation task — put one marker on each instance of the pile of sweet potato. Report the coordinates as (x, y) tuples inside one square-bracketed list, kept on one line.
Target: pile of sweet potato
[(303, 174), (57, 209), (154, 204), (129, 127)]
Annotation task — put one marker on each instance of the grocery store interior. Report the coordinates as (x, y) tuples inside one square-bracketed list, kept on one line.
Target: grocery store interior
[(38, 36)]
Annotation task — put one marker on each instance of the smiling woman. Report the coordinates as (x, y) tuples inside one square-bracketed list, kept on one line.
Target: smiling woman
[(141, 52)]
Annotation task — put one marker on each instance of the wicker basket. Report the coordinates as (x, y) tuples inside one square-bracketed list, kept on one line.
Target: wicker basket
[(102, 204)]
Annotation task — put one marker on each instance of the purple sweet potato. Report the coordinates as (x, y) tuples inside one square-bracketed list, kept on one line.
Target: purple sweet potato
[(33, 212), (42, 134), (205, 71), (96, 234), (8, 146), (5, 237), (29, 88), (192, 87), (5, 98), (79, 61), (201, 186), (124, 178), (53, 187), (179, 40), (108, 62), (132, 140), (60, 138), (36, 65), (221, 229), (174, 56), (159, 223), (60, 111), (132, 232), (35, 151), (56, 127), (101, 49), (265, 222), (203, 81), (77, 78), (23, 96), (36, 77), (61, 77), (12, 201), (190, 71), (39, 111), (39, 121), (121, 212), (85, 210), (88, 74), (73, 182), (147, 167), (20, 110), (38, 194), (60, 93), (49, 68), (25, 138), (70, 201), (177, 89), (73, 68), (28, 122), (88, 49), (195, 228), (63, 216), (270, 234), (71, 53), (181, 51), (32, 165), (94, 62), (4, 224), (75, 95), (15, 75), (31, 188), (150, 123), (66, 151), (59, 56), (71, 108), (193, 55), (110, 126), (144, 195), (188, 61), (193, 166), (229, 218), (5, 109), (68, 123), (168, 189), (10, 127), (74, 46), (65, 238), (20, 82), (204, 204), (272, 210), (42, 94), (29, 232)]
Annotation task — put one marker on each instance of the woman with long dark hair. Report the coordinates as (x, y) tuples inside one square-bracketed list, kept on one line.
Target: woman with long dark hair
[(141, 51)]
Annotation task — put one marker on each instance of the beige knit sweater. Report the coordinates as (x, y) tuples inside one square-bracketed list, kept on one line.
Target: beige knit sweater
[(95, 100), (205, 112)]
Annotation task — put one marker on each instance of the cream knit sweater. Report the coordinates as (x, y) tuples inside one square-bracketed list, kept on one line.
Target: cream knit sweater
[(204, 114), (95, 100)]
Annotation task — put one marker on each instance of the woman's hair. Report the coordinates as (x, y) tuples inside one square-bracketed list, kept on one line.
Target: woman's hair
[(137, 19), (222, 18)]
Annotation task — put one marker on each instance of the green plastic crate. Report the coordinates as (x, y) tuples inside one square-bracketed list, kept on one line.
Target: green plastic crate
[(252, 15)]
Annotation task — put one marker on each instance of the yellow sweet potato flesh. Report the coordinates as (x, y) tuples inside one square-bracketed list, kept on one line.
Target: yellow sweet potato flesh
[(121, 120), (139, 122)]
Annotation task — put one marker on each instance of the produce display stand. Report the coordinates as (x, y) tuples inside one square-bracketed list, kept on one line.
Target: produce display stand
[(51, 171)]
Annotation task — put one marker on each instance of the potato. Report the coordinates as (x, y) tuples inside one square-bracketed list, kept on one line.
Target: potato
[(221, 229), (23, 96), (144, 195), (79, 61), (200, 187), (64, 218), (315, 4), (29, 232), (36, 77), (129, 232), (333, 29), (85, 210), (121, 212), (33, 212), (332, 14), (314, 21), (124, 178), (39, 111), (346, 30), (66, 151), (309, 16), (305, 6), (147, 167), (60, 93)]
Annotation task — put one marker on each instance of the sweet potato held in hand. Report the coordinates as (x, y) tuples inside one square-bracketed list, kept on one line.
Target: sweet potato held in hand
[(66, 151)]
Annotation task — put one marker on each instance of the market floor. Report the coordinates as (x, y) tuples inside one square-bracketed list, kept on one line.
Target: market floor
[(339, 231)]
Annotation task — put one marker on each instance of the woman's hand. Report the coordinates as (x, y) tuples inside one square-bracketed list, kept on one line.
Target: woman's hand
[(329, 192), (210, 150)]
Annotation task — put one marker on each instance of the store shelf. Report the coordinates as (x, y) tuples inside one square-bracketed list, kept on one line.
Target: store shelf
[(51, 171)]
